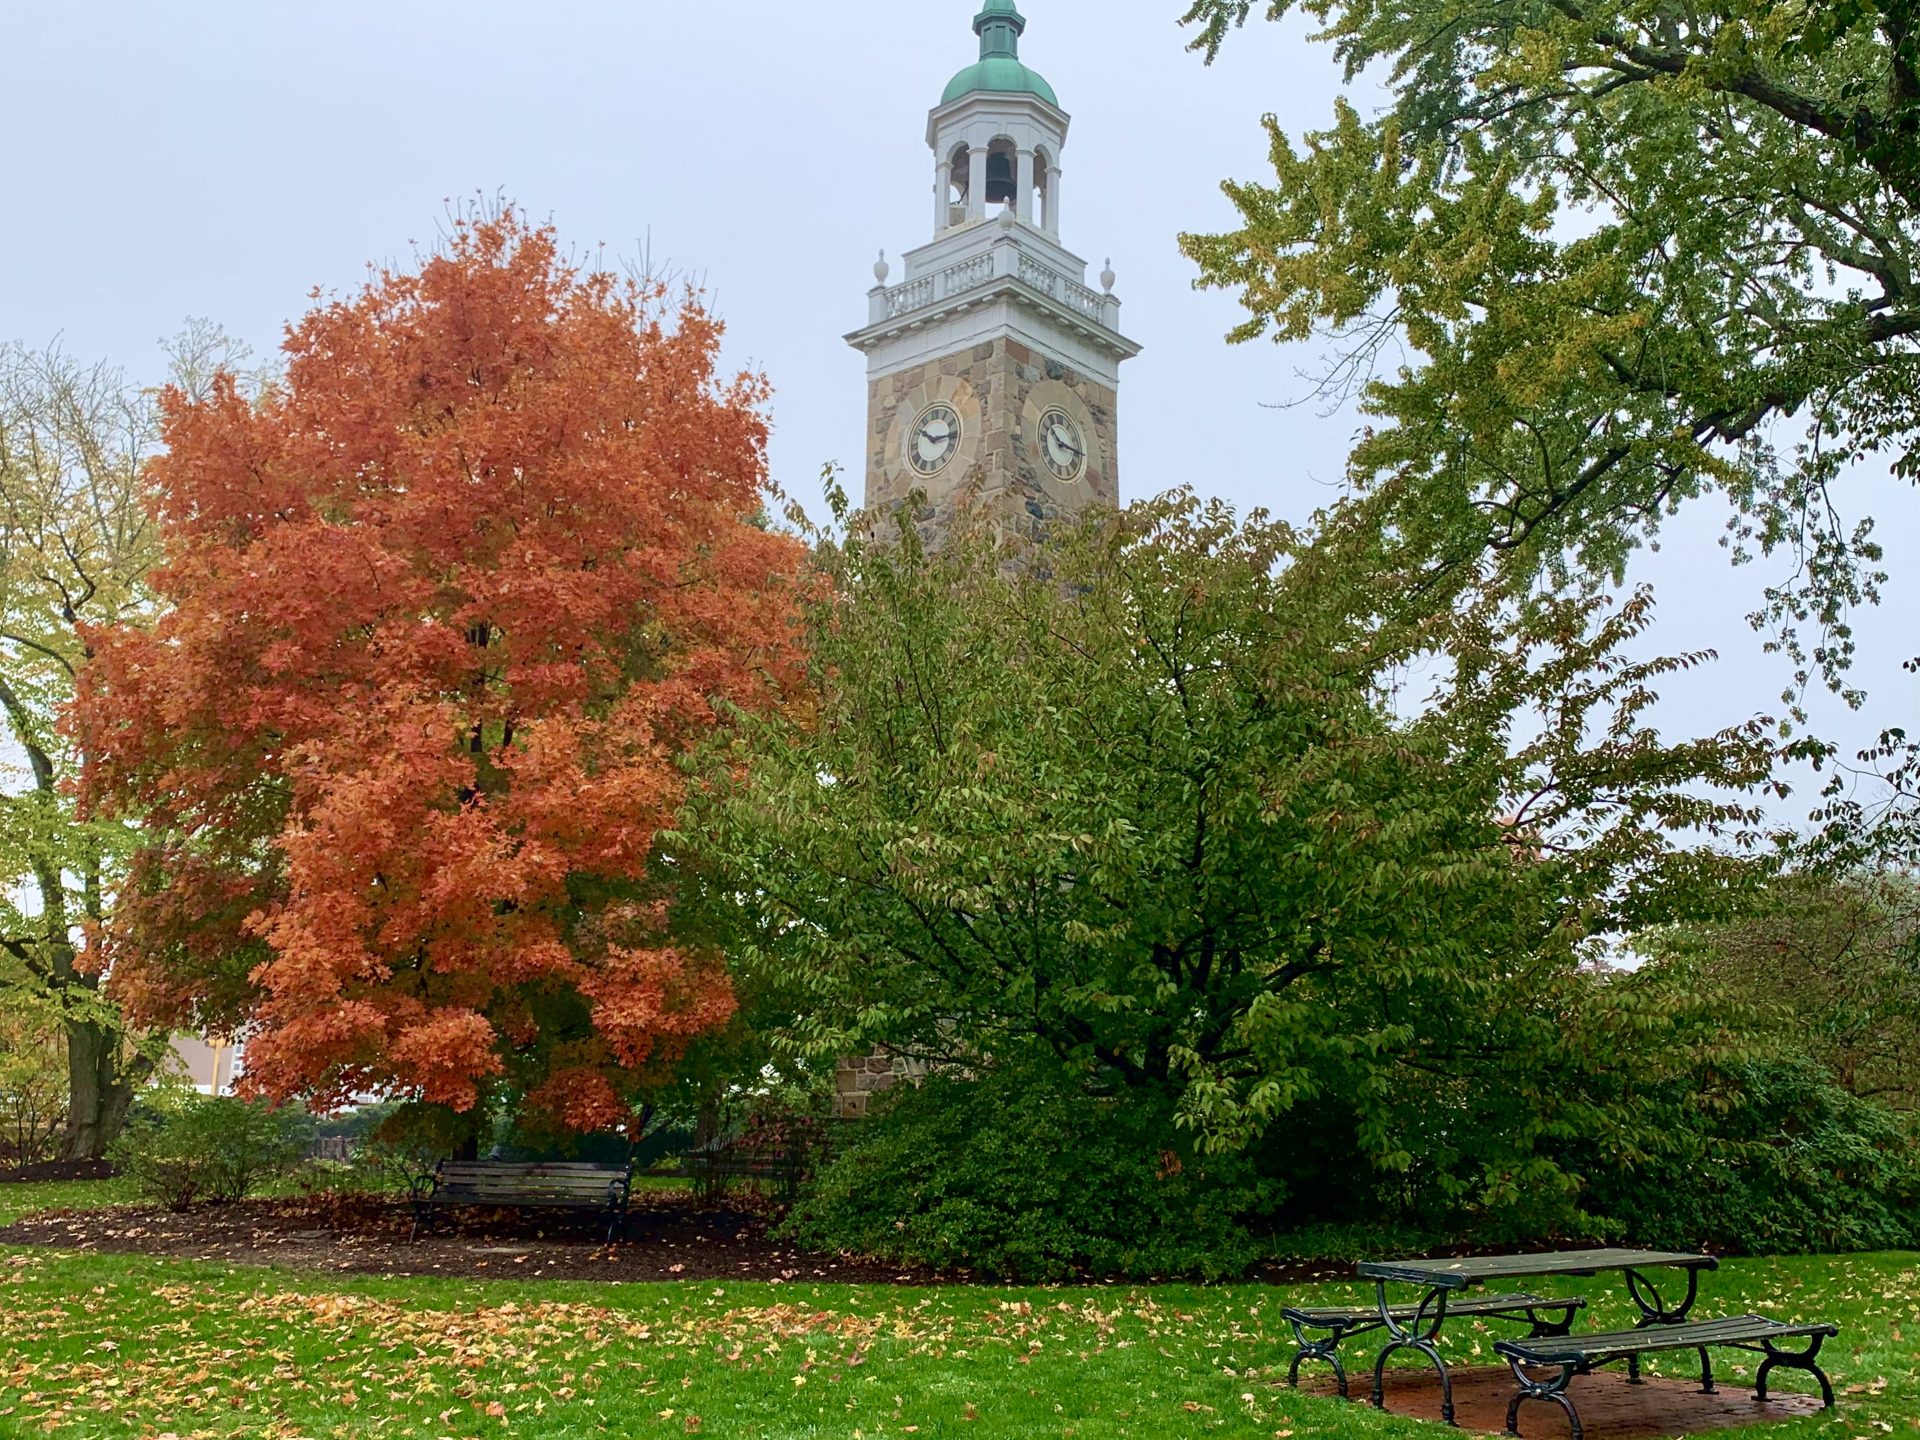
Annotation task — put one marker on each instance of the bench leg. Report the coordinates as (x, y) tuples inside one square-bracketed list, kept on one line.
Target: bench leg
[(1706, 1372), (1554, 1389), (1327, 1350), (1807, 1360), (617, 1223), (1426, 1348)]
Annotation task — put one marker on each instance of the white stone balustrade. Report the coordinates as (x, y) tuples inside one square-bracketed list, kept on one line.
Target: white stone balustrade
[(1005, 259)]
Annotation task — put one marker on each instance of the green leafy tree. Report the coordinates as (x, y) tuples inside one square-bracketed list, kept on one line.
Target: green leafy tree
[(76, 544), (1830, 967), (1156, 807), (1635, 252)]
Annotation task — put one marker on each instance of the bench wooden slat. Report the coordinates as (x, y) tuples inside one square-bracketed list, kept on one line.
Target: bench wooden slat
[(534, 1185), (508, 1184), (1691, 1335), (1326, 1316), (1575, 1355)]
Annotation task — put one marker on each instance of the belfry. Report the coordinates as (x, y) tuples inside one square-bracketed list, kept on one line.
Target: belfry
[(991, 363)]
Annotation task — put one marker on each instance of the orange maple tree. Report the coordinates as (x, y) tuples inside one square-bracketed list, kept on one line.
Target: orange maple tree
[(442, 611)]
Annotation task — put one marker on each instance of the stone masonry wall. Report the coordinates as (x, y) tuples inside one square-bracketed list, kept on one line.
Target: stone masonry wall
[(859, 1080), (1001, 388)]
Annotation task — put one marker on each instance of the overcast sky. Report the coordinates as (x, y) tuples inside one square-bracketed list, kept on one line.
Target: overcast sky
[(222, 158)]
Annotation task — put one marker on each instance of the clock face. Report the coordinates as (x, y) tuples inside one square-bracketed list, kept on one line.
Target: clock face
[(934, 438), (1063, 447)]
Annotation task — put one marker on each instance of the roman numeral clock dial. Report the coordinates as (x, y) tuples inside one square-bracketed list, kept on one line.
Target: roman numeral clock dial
[(1062, 446), (932, 441)]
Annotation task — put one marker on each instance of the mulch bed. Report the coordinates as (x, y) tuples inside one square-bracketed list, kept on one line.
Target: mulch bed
[(54, 1170), (670, 1238)]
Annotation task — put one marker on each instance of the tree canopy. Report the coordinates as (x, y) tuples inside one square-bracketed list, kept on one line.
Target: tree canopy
[(1831, 967), (76, 542), (440, 610), (1161, 805), (1635, 252)]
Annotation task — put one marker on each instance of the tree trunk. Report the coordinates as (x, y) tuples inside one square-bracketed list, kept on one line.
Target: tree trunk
[(98, 1097), (100, 1090)]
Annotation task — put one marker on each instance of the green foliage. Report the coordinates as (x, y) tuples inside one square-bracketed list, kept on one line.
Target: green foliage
[(1764, 1158), (1153, 804), (1637, 253), (210, 1149), (406, 1140), (1022, 1174), (33, 1081), (1826, 966)]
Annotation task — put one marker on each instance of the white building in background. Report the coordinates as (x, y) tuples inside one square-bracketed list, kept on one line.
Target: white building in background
[(211, 1066)]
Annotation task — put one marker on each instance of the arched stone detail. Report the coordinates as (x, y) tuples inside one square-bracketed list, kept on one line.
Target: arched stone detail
[(1096, 484), (901, 406)]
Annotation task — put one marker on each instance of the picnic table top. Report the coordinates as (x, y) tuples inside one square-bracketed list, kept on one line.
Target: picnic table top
[(1445, 1274)]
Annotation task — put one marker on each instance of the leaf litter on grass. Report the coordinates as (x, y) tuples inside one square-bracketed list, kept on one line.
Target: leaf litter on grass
[(199, 1352)]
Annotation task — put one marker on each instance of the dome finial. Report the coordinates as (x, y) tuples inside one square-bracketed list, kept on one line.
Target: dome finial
[(999, 26), (999, 71)]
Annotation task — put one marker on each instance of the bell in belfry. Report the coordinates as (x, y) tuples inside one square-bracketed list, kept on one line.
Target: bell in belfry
[(1002, 188)]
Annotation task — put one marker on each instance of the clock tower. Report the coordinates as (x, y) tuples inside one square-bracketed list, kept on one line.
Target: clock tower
[(992, 366)]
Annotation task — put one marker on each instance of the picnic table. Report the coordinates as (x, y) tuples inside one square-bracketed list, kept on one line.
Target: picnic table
[(1418, 1327)]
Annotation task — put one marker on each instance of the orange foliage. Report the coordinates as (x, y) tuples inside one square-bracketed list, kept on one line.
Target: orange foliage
[(442, 612)]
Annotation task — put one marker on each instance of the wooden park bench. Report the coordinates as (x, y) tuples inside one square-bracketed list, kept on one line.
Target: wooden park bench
[(784, 1159), (1340, 1321), (738, 1159), (517, 1185), (1573, 1355)]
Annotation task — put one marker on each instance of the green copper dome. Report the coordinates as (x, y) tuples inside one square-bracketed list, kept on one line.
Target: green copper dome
[(999, 26)]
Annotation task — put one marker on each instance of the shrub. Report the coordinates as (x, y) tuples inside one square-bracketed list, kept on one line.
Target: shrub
[(210, 1149), (1025, 1175), (33, 1087), (1771, 1157), (405, 1141)]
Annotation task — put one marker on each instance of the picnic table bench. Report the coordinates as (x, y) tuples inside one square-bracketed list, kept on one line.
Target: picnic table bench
[(514, 1185), (1340, 1321), (1445, 1279), (1575, 1355)]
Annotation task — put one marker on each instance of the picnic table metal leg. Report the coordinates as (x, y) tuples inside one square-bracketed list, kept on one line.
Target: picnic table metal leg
[(1807, 1360), (1418, 1335), (1551, 1329), (1654, 1309), (1554, 1389)]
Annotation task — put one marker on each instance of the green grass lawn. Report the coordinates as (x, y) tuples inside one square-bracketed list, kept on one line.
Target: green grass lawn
[(19, 1200), (111, 1346)]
